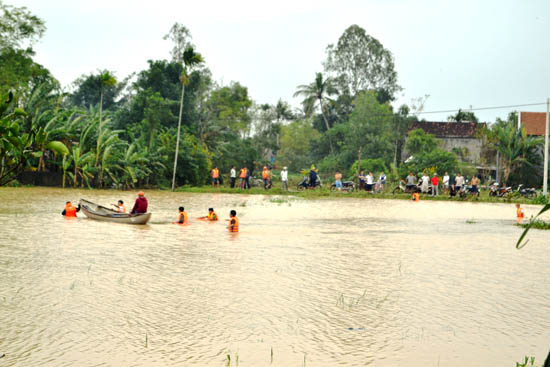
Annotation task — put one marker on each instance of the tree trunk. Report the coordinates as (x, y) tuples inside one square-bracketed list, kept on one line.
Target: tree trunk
[(326, 124), (99, 127), (395, 153), (178, 138), (359, 163)]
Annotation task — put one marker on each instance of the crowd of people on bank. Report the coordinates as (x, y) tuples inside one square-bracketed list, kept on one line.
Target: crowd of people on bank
[(425, 184), (244, 177), (450, 185)]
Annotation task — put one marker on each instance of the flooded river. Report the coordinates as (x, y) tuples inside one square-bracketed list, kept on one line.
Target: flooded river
[(349, 282)]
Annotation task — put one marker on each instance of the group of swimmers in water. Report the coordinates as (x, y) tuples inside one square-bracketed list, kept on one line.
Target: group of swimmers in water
[(140, 207)]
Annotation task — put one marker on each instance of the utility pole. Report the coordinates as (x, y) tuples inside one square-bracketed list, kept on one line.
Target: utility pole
[(545, 184)]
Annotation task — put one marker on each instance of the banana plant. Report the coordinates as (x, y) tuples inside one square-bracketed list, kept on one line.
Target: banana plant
[(15, 148), (81, 167)]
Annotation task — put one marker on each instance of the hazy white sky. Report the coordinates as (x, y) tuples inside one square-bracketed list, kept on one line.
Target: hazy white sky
[(461, 53)]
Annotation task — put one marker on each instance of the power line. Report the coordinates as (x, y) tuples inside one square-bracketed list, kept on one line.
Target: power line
[(481, 108)]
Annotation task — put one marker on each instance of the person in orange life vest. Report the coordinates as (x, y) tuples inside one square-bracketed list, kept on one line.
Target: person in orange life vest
[(416, 196), (140, 206), (212, 216), (182, 218), (519, 212), (215, 176), (265, 177), (242, 176), (70, 210), (233, 222), (120, 208)]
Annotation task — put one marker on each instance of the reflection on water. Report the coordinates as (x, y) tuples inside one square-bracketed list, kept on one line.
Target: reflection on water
[(332, 282)]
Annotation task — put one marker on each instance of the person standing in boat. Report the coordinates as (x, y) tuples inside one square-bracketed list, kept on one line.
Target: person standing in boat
[(70, 210), (140, 206)]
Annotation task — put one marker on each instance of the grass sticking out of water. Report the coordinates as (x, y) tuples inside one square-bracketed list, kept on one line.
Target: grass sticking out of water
[(528, 362), (470, 221), (538, 224)]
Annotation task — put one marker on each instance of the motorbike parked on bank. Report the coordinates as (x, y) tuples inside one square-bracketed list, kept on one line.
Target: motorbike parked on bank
[(304, 184)]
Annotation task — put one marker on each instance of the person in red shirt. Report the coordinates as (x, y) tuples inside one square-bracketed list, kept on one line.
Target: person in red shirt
[(140, 206), (435, 183)]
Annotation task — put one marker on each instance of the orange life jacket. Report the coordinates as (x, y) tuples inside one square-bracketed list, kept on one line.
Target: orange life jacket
[(243, 173), (519, 213), (234, 224), (121, 209), (265, 174), (70, 210), (416, 197), (212, 216), (215, 173), (183, 215)]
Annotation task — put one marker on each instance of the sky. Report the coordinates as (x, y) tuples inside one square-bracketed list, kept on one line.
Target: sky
[(462, 54)]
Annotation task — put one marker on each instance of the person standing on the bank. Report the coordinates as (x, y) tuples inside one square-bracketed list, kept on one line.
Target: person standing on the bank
[(446, 179), (215, 176), (370, 182), (233, 176), (284, 178), (459, 182), (425, 186), (435, 185), (247, 179), (243, 177)]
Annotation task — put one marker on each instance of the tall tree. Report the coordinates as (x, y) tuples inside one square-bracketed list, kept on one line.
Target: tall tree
[(317, 92), (360, 62), (463, 116), (106, 80), (183, 52), (17, 26)]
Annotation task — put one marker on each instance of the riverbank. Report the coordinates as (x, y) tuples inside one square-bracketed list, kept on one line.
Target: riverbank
[(327, 193)]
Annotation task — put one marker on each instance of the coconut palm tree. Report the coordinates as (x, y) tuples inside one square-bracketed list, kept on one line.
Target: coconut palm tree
[(190, 60), (106, 80), (317, 92), (515, 147)]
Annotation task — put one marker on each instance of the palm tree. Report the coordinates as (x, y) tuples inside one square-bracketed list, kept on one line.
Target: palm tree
[(515, 147), (106, 80), (190, 59), (317, 92)]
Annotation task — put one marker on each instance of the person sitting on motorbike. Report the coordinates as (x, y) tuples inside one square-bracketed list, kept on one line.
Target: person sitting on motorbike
[(312, 177), (362, 180), (411, 182), (452, 190)]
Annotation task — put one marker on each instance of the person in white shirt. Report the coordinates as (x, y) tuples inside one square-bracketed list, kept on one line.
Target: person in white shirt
[(284, 178), (370, 182), (233, 176), (459, 182), (425, 183), (446, 182)]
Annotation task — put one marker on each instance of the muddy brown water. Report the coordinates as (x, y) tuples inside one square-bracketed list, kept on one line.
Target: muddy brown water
[(348, 282)]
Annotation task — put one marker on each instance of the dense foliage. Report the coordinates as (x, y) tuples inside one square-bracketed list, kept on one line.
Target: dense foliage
[(171, 121)]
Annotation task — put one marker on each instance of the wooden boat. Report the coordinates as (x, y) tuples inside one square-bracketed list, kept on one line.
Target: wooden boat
[(98, 212)]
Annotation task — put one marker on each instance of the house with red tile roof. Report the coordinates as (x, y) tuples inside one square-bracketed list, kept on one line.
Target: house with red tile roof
[(533, 122)]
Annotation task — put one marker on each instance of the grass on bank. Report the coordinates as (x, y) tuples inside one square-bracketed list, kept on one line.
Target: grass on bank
[(327, 193)]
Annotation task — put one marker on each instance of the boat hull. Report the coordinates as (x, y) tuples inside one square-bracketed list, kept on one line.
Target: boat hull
[(97, 212)]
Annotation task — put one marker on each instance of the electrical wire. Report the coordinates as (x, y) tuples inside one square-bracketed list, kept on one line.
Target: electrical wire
[(481, 108)]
